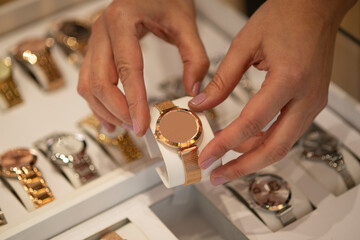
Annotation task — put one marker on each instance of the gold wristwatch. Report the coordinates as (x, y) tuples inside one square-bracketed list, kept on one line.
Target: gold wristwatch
[(34, 57), (9, 94), (122, 142), (181, 129), (20, 163), (72, 36)]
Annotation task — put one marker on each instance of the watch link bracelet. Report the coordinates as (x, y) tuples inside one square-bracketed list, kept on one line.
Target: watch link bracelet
[(272, 193), (2, 218), (9, 94), (34, 57), (19, 164), (321, 146), (72, 36), (181, 129), (68, 152), (122, 142)]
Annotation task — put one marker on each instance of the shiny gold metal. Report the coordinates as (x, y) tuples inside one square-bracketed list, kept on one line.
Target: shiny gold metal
[(35, 57), (123, 142), (72, 36), (8, 89), (20, 163)]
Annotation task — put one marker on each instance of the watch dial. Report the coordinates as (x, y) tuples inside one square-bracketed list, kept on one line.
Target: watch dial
[(178, 126), (67, 145), (319, 143), (16, 158), (76, 30), (5, 69), (270, 192)]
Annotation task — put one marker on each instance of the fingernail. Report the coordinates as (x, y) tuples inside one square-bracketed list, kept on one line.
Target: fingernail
[(196, 88), (108, 127), (198, 99), (136, 127), (127, 126), (219, 180), (207, 162)]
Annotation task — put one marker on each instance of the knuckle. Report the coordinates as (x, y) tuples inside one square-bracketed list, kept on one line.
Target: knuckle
[(251, 127), (82, 90), (278, 152), (238, 172), (97, 88), (124, 73), (217, 83)]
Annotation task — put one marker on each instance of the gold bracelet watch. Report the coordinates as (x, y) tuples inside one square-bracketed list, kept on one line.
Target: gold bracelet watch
[(9, 93), (20, 163), (34, 57), (180, 128), (72, 36), (122, 142)]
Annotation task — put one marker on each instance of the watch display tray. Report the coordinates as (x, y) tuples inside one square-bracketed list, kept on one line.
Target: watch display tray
[(213, 209)]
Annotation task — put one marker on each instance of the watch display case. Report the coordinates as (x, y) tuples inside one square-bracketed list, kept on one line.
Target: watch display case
[(125, 197)]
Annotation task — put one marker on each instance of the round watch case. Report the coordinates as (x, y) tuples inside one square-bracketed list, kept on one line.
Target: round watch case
[(270, 192), (16, 158), (63, 147), (316, 145), (178, 128)]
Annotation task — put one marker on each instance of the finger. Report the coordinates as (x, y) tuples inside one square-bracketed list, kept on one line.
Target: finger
[(84, 90), (193, 55), (103, 78), (283, 134), (248, 145), (237, 60), (129, 64), (108, 126), (257, 113)]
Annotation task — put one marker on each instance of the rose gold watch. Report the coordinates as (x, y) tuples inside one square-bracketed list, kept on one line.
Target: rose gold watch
[(19, 164), (181, 129)]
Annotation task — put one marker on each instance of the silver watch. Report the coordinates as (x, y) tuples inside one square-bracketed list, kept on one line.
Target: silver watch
[(2, 218), (70, 150), (321, 146), (272, 193)]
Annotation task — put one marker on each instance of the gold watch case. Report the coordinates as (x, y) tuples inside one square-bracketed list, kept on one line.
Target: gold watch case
[(159, 135), (12, 160)]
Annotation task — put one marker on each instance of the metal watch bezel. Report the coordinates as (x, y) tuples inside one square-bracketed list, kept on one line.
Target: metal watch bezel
[(60, 158), (179, 145), (13, 171), (278, 207)]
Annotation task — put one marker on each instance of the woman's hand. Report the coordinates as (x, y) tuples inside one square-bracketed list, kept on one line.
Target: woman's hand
[(114, 52), (294, 42)]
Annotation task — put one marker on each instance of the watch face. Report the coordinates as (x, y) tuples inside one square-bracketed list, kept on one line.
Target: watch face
[(68, 145), (5, 68), (178, 126), (319, 143), (75, 29), (270, 192), (17, 158)]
